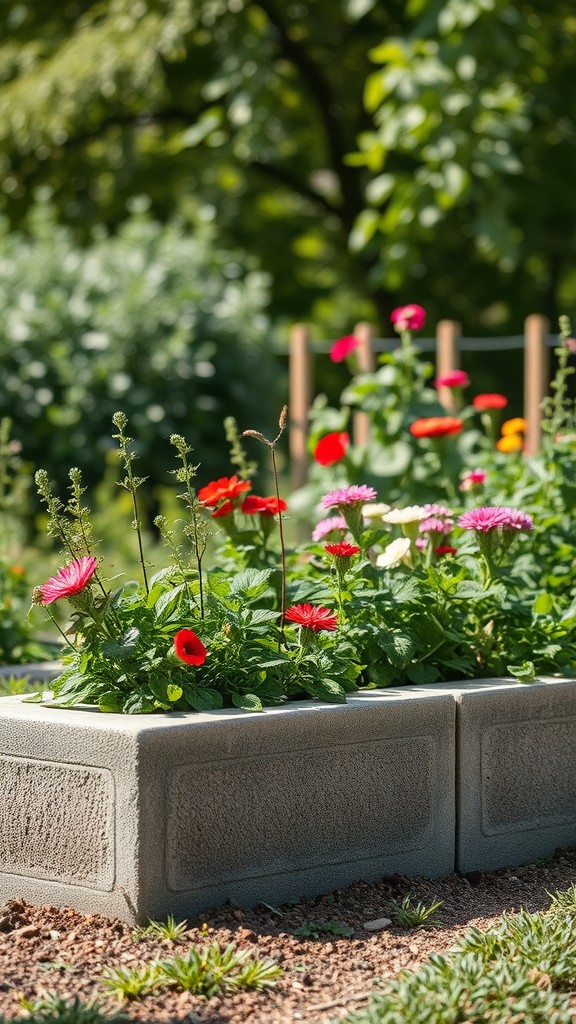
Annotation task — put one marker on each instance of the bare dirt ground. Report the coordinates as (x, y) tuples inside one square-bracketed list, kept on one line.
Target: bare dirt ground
[(47, 949)]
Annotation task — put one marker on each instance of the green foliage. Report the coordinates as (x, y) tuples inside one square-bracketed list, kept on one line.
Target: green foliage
[(523, 969), (207, 971), (414, 915), (168, 929), (154, 317), (55, 1009)]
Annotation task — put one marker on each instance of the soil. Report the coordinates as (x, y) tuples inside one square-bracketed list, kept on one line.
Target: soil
[(49, 949)]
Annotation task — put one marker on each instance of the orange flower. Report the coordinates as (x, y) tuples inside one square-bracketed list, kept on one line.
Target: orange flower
[(436, 426), (510, 443), (514, 426), (489, 401)]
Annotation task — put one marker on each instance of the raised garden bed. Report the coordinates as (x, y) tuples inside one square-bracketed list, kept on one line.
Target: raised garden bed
[(138, 816)]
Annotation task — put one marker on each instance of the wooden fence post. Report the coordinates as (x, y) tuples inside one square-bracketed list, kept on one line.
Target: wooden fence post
[(366, 364), (300, 396), (447, 358), (536, 371)]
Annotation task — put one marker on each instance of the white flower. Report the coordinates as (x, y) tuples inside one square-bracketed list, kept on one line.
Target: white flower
[(375, 510), (397, 551), (404, 516)]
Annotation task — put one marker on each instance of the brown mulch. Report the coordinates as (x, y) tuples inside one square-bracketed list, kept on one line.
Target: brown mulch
[(49, 949)]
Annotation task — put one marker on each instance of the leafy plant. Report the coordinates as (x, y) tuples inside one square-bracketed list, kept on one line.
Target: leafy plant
[(131, 982), (54, 1009), (414, 915), (167, 929), (313, 929)]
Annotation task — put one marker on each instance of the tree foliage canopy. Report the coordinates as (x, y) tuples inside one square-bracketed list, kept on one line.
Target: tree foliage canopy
[(366, 153)]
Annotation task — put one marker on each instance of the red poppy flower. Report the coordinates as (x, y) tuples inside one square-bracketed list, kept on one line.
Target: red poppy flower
[(224, 489), (341, 348), (331, 448), (69, 580), (490, 401), (265, 506), (342, 550), (189, 647), (436, 426), (313, 617)]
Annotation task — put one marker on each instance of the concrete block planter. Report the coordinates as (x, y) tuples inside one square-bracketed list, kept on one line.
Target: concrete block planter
[(141, 816), (516, 771)]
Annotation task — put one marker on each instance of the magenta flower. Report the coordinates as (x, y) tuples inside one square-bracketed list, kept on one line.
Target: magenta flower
[(329, 525), (438, 510), (69, 580), (408, 318), (475, 478), (495, 517), (356, 494), (343, 347), (435, 525), (455, 379)]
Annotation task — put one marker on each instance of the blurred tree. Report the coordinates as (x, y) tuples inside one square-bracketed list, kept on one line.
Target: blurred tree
[(248, 112)]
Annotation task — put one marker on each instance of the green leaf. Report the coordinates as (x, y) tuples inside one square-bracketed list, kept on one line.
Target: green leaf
[(251, 583), (399, 645), (325, 689), (168, 602), (173, 692), (524, 673), (543, 604), (422, 674), (247, 701)]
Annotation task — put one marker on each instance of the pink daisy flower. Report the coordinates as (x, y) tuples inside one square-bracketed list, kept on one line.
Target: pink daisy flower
[(69, 580), (495, 517), (356, 494), (326, 526)]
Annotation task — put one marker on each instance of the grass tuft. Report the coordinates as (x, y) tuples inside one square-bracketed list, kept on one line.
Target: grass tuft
[(414, 915)]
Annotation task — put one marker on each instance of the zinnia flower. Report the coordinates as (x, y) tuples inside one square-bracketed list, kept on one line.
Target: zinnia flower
[(437, 510), (69, 580), (474, 478), (490, 517), (252, 505), (455, 379), (224, 489), (225, 509), (395, 552), (489, 401), (517, 425), (356, 494), (445, 549), (343, 347), (436, 525), (436, 426), (510, 443), (313, 617), (375, 510), (189, 647), (326, 526), (342, 550), (331, 448), (403, 516), (408, 318)]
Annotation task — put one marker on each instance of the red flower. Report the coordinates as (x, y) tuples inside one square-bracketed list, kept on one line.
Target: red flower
[(341, 348), (342, 550), (331, 448), (436, 426), (224, 489), (408, 318), (446, 549), (253, 505), (189, 647), (226, 509), (490, 401), (69, 580), (313, 617)]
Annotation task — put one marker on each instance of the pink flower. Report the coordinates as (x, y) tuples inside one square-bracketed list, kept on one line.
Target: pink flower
[(473, 479), (69, 580), (329, 525), (313, 617), (490, 517), (455, 379), (438, 510), (343, 347), (189, 647), (435, 525), (408, 318), (356, 494), (331, 448)]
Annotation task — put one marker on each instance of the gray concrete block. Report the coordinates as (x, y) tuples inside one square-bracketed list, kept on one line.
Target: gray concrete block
[(516, 771), (142, 816)]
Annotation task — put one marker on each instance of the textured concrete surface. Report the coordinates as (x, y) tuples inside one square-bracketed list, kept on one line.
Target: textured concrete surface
[(141, 816), (516, 771)]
